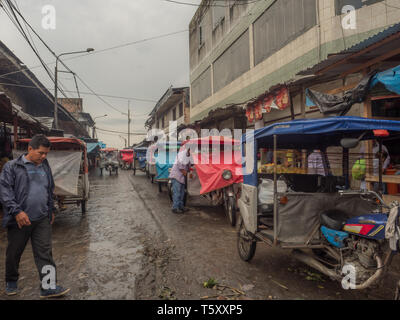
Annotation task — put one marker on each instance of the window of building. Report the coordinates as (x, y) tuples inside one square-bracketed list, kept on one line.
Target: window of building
[(218, 13), (201, 40), (174, 114), (180, 109), (357, 4)]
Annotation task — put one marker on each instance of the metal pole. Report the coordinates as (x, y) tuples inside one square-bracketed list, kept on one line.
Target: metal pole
[(380, 167), (55, 124), (275, 191), (129, 124)]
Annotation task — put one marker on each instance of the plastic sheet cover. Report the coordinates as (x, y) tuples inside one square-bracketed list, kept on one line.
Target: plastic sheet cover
[(65, 167), (210, 174), (301, 214)]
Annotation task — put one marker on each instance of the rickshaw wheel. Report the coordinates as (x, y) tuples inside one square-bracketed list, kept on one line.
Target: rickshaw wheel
[(246, 245), (230, 210), (116, 171), (134, 171), (160, 187), (83, 206)]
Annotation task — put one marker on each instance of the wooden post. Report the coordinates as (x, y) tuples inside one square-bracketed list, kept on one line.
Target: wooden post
[(15, 132)]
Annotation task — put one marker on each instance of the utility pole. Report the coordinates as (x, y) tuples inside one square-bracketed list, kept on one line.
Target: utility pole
[(129, 125)]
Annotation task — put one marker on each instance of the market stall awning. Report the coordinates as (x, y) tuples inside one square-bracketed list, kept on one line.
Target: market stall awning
[(9, 111)]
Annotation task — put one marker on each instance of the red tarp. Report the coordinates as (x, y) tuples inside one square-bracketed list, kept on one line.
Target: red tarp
[(210, 174), (127, 157)]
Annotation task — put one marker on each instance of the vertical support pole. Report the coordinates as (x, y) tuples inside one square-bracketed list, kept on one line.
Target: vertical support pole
[(380, 167), (15, 132), (345, 167), (291, 105), (129, 124), (55, 123), (275, 190)]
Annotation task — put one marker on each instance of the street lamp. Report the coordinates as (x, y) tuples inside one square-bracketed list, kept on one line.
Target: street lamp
[(56, 84), (94, 126)]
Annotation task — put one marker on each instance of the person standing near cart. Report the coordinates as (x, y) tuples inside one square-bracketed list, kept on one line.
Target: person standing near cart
[(26, 192), (178, 176)]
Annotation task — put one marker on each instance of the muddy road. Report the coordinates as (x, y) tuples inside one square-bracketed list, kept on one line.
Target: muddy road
[(129, 245)]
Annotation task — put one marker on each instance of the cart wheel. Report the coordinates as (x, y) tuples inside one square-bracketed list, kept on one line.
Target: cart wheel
[(152, 179), (134, 171), (116, 171), (160, 187), (101, 171), (230, 210), (246, 243), (83, 206)]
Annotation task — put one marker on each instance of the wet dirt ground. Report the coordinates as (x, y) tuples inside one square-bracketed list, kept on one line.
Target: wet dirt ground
[(129, 245)]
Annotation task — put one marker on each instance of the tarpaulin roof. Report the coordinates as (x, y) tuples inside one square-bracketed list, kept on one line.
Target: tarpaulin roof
[(91, 146), (389, 78), (319, 133)]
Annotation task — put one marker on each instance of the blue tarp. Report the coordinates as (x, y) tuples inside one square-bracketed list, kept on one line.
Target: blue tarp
[(313, 134), (166, 155), (92, 146), (389, 78)]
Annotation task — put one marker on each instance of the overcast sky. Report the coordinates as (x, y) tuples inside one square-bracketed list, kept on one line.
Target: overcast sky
[(144, 70)]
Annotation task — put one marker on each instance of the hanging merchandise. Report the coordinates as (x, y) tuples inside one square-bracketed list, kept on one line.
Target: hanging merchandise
[(282, 98), (258, 110), (250, 113), (269, 103)]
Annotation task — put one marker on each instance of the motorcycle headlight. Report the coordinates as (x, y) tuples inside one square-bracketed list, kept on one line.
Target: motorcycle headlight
[(227, 174)]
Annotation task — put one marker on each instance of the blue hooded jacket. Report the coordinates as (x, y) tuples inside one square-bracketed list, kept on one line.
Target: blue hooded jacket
[(14, 189)]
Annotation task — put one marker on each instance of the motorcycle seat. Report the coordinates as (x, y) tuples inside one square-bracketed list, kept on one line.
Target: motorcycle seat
[(334, 219)]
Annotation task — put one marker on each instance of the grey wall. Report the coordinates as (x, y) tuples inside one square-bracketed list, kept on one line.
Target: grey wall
[(201, 87), (232, 63), (281, 23)]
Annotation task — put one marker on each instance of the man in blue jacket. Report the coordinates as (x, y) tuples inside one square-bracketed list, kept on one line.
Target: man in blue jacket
[(26, 192)]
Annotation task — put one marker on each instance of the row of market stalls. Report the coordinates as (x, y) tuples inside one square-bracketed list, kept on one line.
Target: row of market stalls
[(15, 124)]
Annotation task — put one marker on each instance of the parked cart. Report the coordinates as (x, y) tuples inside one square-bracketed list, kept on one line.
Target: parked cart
[(69, 164), (344, 228)]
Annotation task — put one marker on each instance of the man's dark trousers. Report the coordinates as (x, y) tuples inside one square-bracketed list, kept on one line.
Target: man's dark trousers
[(40, 234)]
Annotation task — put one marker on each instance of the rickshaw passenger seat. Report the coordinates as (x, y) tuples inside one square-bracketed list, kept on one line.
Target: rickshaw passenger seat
[(334, 219)]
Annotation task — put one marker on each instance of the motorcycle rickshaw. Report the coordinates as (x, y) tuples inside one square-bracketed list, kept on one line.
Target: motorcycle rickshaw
[(216, 171), (125, 157), (344, 228), (139, 160), (164, 156), (109, 160), (69, 164)]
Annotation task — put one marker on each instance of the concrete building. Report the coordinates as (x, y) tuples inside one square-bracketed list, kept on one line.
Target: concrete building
[(241, 50), (172, 106)]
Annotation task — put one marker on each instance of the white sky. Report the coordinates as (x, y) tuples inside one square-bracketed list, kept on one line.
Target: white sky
[(143, 70)]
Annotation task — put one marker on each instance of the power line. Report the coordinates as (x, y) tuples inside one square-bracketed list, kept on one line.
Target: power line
[(99, 51), (81, 92), (213, 5), (120, 132)]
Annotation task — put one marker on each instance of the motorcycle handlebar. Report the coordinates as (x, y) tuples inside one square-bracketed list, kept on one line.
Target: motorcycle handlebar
[(361, 193)]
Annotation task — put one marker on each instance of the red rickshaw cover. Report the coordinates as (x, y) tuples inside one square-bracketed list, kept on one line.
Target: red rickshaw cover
[(210, 174)]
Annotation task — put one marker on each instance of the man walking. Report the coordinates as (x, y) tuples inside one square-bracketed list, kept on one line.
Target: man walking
[(26, 192), (178, 179)]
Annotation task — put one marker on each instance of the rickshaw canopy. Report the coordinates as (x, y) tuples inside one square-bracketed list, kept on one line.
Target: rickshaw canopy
[(314, 134), (59, 142), (319, 133)]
